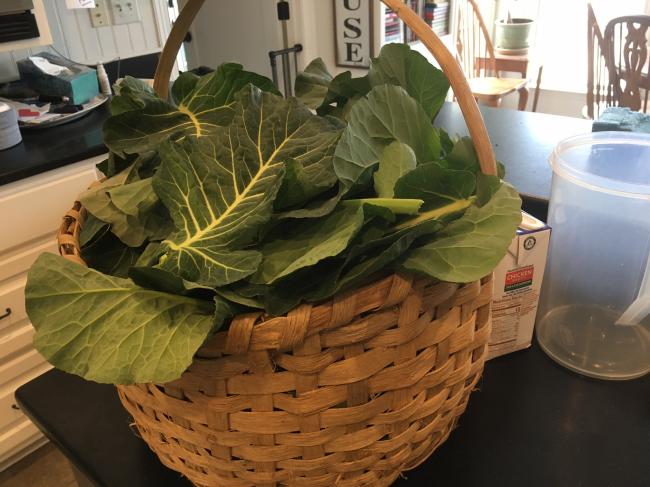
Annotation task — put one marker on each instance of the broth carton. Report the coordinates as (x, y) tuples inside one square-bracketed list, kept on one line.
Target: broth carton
[(517, 284)]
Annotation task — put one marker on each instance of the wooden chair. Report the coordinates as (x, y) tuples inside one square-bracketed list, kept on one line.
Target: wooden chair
[(626, 40), (472, 43), (600, 88), (618, 64)]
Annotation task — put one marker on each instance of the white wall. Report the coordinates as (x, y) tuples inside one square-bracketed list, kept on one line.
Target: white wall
[(76, 38), (242, 31)]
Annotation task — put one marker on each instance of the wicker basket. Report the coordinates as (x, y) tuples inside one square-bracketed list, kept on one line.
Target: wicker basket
[(349, 392)]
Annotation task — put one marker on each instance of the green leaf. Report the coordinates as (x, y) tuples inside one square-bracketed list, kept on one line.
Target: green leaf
[(342, 90), (183, 86), (463, 156), (151, 255), (388, 114), (161, 280), (486, 186), (107, 329), (202, 111), (405, 206), (109, 255), (237, 295), (303, 183), (501, 170), (91, 228), (396, 160), (435, 185), (131, 94), (315, 208), (132, 209), (312, 84), (114, 164), (372, 252), (398, 64), (446, 142), (220, 189), (470, 247), (307, 243)]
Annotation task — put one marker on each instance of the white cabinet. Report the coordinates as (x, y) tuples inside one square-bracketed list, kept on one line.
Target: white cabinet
[(30, 213)]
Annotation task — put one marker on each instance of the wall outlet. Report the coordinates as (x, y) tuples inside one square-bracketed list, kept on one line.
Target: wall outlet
[(99, 15), (125, 11)]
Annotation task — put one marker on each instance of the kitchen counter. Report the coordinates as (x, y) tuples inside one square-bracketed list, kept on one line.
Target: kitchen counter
[(530, 422), (45, 149)]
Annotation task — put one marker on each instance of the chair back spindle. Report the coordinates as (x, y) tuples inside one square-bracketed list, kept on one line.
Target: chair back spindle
[(626, 39), (474, 48)]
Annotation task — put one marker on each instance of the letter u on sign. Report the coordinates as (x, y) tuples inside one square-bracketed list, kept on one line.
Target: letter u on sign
[(353, 32)]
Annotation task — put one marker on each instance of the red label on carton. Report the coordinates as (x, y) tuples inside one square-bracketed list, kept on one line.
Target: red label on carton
[(519, 278)]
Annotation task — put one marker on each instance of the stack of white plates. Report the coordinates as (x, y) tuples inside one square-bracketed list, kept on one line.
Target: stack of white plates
[(9, 132)]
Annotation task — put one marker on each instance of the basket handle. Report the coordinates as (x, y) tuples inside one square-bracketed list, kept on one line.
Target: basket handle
[(450, 66)]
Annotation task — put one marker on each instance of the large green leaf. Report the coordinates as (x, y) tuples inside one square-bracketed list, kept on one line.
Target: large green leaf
[(308, 242), (220, 189), (436, 185), (343, 91), (131, 207), (398, 64), (396, 160), (131, 94), (374, 250), (106, 253), (388, 114), (206, 107), (107, 329), (184, 85), (470, 247), (312, 84), (91, 229)]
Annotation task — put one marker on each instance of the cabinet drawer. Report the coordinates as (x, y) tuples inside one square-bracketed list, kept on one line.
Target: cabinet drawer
[(12, 302), (16, 438), (34, 207), (15, 340), (9, 412), (19, 261), (20, 366)]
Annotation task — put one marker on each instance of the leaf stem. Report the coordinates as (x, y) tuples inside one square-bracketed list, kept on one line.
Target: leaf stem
[(437, 213)]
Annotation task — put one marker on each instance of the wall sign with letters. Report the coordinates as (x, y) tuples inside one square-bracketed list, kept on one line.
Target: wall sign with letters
[(353, 23)]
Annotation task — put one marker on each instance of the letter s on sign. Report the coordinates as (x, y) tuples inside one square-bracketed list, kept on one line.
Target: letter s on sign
[(352, 28)]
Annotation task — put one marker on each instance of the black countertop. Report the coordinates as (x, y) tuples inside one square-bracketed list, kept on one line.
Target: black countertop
[(49, 148), (530, 423)]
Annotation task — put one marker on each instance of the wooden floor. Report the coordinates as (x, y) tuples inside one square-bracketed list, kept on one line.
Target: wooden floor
[(46, 467)]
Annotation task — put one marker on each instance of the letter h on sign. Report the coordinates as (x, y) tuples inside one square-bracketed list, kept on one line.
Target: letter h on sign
[(353, 32)]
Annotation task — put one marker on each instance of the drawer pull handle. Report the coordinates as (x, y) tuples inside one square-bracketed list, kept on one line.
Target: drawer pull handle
[(15, 406), (6, 313)]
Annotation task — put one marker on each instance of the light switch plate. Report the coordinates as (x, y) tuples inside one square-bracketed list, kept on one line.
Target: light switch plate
[(125, 11), (99, 16)]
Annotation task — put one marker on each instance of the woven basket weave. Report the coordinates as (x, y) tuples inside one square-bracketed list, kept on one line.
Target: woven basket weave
[(349, 392)]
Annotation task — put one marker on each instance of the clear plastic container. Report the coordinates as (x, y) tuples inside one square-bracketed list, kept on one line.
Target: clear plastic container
[(594, 314)]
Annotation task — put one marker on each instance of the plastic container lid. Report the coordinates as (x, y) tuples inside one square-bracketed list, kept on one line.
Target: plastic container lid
[(610, 162)]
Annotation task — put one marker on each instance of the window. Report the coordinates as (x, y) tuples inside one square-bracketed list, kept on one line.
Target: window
[(561, 35)]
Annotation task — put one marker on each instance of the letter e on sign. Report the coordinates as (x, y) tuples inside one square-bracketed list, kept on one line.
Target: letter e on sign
[(353, 32)]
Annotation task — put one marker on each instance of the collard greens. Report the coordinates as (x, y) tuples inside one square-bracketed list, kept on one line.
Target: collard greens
[(231, 198)]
